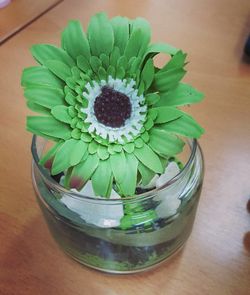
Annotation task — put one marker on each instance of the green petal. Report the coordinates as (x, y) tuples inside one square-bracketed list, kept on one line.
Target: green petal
[(111, 150), (71, 83), (177, 61), (146, 173), (83, 63), (61, 159), (117, 148), (79, 124), (114, 56), (50, 153), (102, 152), (85, 127), (44, 96), (86, 137), (152, 98), (60, 69), (105, 60), (81, 82), (61, 113), (76, 134), (139, 142), (48, 126), (148, 124), (85, 156), (129, 181), (74, 40), (45, 52), (110, 186), (69, 154), (95, 63), (93, 146), (121, 32), (131, 61), (111, 71), (143, 25), (156, 48), (102, 73), (99, 139), (40, 76), (87, 76), (118, 164), (72, 111), (38, 108), (164, 161), (183, 94), (78, 151), (79, 90), (152, 113), (164, 143), (120, 73), (129, 147), (184, 125), (147, 74), (166, 114), (122, 62), (68, 90), (74, 122), (145, 136), (76, 73), (100, 35), (149, 158), (77, 107), (114, 148), (136, 44), (85, 169), (66, 180), (133, 65), (166, 80), (141, 88), (70, 99), (101, 178)]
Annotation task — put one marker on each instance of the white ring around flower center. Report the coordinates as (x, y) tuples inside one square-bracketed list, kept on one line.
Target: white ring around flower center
[(132, 125)]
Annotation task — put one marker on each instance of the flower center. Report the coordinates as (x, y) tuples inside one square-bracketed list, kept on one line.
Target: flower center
[(115, 111), (112, 108)]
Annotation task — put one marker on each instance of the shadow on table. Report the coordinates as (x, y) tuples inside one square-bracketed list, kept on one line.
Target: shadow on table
[(241, 42)]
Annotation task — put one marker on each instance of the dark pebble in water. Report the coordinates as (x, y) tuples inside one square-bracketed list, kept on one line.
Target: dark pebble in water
[(57, 177), (140, 190)]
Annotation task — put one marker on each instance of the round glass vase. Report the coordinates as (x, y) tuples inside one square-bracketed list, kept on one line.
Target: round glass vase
[(122, 235)]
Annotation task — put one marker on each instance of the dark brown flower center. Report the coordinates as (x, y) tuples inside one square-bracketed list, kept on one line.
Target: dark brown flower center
[(112, 108)]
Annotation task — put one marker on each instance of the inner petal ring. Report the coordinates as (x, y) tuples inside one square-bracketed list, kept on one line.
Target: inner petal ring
[(115, 110)]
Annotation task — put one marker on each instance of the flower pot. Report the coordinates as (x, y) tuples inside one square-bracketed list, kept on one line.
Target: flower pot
[(121, 235)]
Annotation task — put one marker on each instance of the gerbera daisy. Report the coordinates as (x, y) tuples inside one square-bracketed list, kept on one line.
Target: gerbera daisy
[(113, 115)]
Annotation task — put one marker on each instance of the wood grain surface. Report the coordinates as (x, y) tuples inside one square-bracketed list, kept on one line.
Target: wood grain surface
[(216, 259), (20, 13)]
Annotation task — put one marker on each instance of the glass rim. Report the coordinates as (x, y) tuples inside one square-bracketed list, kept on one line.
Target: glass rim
[(193, 144)]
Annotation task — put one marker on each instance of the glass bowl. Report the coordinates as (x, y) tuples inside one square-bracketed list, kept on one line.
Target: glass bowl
[(122, 235)]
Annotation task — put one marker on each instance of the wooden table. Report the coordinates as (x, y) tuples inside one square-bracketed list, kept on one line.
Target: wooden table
[(216, 258), (20, 13)]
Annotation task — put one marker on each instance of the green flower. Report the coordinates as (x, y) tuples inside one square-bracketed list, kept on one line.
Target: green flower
[(112, 114)]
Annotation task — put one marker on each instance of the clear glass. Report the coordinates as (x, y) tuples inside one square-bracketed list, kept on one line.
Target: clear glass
[(155, 224)]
